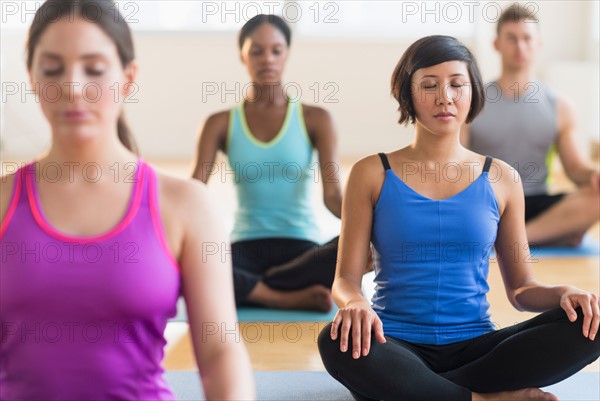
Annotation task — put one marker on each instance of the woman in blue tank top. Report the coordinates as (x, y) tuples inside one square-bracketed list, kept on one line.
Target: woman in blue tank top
[(433, 211), (269, 140)]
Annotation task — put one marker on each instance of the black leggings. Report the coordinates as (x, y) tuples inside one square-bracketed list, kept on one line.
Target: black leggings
[(299, 264), (536, 353)]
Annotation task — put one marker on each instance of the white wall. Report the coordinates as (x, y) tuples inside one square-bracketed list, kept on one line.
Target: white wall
[(175, 67)]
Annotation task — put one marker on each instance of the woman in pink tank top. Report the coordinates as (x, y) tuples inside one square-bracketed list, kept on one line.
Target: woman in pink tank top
[(96, 245)]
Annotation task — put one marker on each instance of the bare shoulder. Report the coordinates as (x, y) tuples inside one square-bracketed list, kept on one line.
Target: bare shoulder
[(316, 116), (183, 196), (503, 172), (506, 182), (219, 119), (564, 103), (213, 131), (369, 166), (315, 111), (216, 124), (368, 174), (7, 183)]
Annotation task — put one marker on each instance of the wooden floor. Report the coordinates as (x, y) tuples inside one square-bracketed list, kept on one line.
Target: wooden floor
[(292, 346), (271, 346)]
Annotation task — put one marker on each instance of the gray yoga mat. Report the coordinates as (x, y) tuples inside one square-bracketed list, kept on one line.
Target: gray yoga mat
[(317, 386)]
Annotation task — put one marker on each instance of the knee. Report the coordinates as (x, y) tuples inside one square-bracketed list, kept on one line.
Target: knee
[(594, 345), (591, 199), (326, 345)]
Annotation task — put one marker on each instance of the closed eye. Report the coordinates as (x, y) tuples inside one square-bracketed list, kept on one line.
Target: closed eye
[(53, 72), (94, 72)]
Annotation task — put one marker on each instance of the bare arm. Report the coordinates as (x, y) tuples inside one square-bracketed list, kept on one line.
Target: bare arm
[(575, 165), (524, 292), (213, 135), (208, 291), (321, 128), (355, 311)]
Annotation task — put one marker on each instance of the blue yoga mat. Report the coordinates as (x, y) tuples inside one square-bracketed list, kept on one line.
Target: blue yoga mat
[(251, 314), (589, 247), (247, 314), (301, 385)]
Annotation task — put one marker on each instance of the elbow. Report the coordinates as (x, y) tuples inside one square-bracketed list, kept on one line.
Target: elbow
[(517, 305), (513, 297), (331, 197), (333, 202)]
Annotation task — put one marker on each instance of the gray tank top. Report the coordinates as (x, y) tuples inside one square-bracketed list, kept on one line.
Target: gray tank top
[(520, 129)]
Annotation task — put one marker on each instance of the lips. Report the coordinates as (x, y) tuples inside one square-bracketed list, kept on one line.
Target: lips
[(444, 114), (76, 115)]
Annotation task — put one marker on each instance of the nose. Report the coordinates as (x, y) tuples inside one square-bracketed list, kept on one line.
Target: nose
[(446, 94), (73, 84), (269, 58)]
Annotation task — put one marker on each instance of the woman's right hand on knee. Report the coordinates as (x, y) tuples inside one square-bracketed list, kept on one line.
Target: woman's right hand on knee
[(358, 319)]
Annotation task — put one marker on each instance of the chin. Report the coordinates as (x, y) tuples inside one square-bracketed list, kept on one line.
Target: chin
[(81, 134), (268, 81), (522, 63)]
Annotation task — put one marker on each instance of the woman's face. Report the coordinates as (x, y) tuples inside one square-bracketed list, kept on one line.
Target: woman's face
[(265, 53), (79, 79), (441, 96)]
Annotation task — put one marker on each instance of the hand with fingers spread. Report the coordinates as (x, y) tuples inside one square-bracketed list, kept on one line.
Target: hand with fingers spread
[(590, 306), (359, 319)]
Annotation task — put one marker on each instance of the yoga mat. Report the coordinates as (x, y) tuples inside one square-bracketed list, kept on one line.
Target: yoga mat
[(583, 386), (270, 385), (588, 247), (255, 314), (248, 314), (301, 385)]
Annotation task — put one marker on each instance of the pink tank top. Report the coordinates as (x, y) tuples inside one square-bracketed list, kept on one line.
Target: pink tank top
[(82, 318)]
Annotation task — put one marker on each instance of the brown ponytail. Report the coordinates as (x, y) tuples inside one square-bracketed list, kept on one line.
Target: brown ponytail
[(125, 135)]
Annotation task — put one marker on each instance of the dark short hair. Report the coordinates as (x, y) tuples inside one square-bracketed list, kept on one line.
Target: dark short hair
[(260, 19), (515, 13), (426, 52)]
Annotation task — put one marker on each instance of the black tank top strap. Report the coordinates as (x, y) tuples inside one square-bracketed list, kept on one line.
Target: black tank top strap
[(488, 163), (384, 160)]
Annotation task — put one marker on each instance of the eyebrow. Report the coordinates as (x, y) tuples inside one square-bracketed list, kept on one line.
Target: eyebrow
[(85, 56), (435, 76), (261, 46)]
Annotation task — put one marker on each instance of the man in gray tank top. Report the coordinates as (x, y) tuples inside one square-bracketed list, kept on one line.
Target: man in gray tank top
[(525, 123)]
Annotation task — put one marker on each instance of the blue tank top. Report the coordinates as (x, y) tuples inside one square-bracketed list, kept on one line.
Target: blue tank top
[(273, 180), (431, 279)]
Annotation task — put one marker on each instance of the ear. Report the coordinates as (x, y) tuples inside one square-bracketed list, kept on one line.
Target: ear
[(130, 72), (496, 44)]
